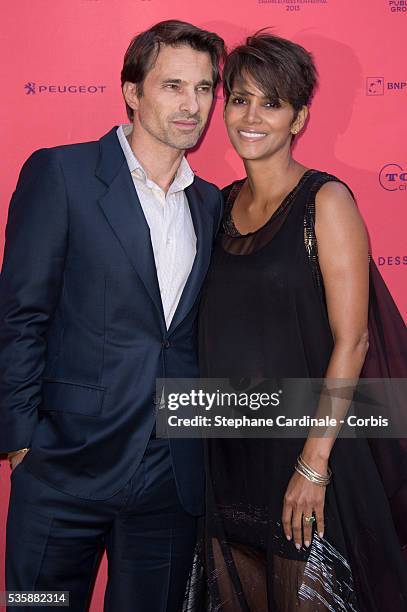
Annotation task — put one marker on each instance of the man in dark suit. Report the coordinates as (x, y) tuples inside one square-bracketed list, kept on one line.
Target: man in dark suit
[(107, 247)]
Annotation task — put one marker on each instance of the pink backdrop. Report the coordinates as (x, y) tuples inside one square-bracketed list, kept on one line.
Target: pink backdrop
[(61, 65)]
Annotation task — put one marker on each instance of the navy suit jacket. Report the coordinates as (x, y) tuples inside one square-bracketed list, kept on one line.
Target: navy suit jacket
[(82, 329)]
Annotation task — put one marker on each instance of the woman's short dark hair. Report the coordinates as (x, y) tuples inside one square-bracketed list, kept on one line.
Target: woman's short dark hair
[(145, 47), (281, 69)]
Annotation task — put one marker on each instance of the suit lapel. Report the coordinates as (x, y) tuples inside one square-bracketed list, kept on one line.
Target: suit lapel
[(123, 211), (203, 226)]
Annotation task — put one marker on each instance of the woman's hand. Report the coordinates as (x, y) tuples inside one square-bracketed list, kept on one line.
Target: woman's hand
[(302, 499)]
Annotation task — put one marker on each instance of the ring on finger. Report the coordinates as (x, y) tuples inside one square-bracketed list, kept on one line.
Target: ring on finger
[(309, 519)]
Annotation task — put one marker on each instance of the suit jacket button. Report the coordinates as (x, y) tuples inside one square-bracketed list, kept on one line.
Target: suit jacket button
[(166, 344)]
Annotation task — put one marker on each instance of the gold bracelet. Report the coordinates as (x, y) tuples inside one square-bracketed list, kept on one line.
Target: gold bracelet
[(310, 474), (314, 472), (316, 476), (310, 478)]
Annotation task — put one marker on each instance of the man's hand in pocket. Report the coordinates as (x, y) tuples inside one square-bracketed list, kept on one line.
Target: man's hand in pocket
[(16, 457)]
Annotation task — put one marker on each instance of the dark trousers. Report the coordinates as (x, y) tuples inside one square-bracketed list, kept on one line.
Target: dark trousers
[(54, 540)]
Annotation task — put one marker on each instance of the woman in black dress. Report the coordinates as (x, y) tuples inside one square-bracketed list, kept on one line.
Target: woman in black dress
[(292, 292)]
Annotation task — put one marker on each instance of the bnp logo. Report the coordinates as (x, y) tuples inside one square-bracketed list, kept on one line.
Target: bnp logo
[(375, 86), (378, 86)]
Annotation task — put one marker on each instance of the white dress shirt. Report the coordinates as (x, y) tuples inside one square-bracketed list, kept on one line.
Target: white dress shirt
[(171, 229)]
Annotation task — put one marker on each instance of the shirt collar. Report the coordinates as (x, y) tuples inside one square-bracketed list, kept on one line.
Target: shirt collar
[(183, 177)]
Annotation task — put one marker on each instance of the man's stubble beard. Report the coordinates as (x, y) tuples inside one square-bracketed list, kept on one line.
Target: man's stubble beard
[(164, 135)]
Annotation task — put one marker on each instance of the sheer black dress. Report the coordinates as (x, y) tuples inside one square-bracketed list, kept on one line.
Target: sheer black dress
[(263, 314)]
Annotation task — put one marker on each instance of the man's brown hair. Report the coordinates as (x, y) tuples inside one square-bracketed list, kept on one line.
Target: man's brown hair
[(145, 47)]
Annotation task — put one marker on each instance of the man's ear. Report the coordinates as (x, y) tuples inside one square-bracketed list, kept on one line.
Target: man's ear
[(300, 120), (130, 95)]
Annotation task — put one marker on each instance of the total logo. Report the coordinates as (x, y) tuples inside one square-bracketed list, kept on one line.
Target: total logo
[(398, 6), (393, 177), (32, 89), (377, 86)]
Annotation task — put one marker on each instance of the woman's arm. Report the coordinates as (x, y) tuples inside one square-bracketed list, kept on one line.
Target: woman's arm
[(344, 262)]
